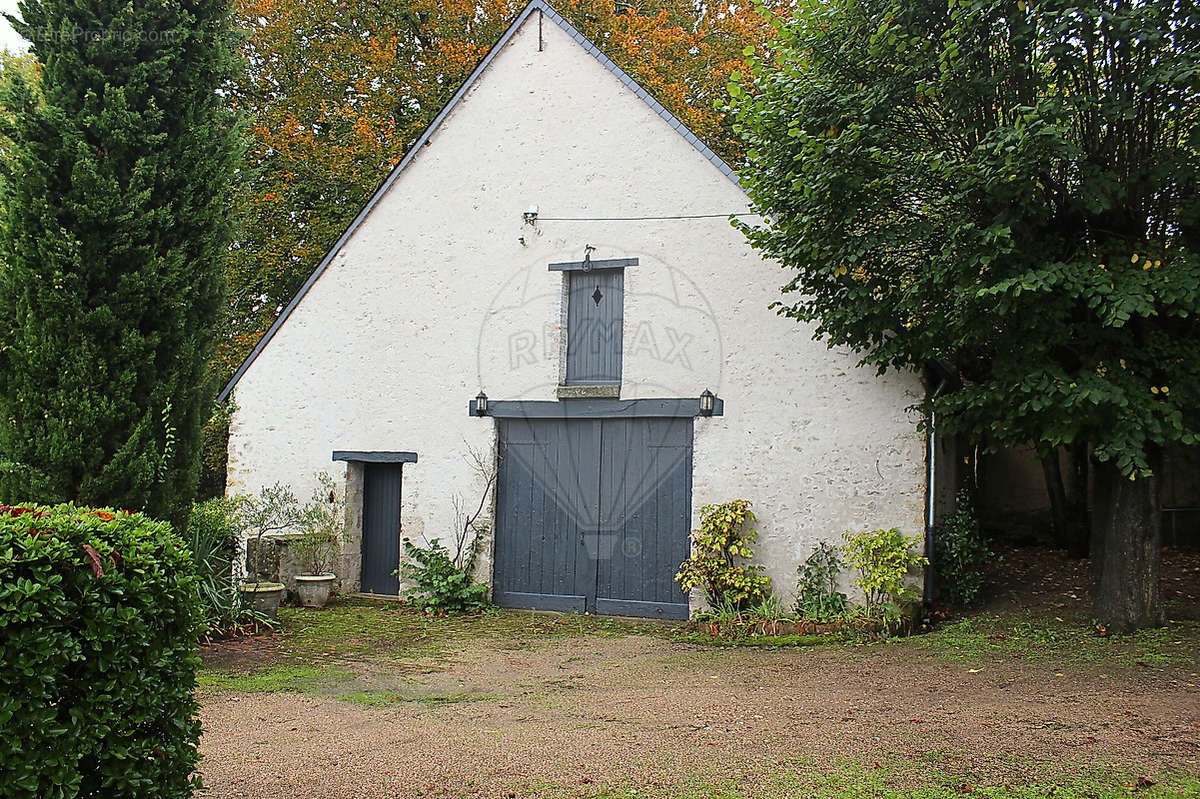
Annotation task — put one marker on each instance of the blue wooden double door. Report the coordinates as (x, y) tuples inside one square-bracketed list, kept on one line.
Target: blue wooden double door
[(593, 515)]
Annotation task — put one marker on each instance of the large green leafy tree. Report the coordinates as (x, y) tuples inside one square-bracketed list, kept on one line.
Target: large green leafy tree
[(1009, 186), (113, 233)]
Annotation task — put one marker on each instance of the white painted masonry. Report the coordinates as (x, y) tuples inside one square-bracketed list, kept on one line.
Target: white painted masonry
[(444, 290)]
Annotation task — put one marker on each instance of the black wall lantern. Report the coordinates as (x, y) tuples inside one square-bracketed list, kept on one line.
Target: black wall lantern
[(708, 401), (481, 404)]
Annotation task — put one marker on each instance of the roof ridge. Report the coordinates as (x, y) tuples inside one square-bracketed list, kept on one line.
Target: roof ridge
[(533, 5)]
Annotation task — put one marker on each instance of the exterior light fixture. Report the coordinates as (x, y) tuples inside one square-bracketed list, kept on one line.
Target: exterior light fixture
[(708, 402), (481, 404)]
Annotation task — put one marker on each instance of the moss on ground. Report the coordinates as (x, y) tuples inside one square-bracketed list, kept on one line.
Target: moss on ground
[(315, 645), (1069, 642), (274, 679), (1066, 642), (362, 627), (896, 780), (365, 653)]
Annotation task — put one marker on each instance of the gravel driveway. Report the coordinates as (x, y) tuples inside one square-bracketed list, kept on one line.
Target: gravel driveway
[(641, 715)]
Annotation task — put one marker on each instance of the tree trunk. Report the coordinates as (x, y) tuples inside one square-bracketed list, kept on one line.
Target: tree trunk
[(1079, 523), (1125, 564), (1068, 499), (1058, 495)]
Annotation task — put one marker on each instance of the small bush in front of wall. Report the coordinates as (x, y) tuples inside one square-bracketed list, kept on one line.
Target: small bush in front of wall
[(720, 548), (769, 608), (817, 597), (322, 524), (273, 510), (883, 559), (211, 536), (440, 585), (961, 555), (766, 623), (99, 615)]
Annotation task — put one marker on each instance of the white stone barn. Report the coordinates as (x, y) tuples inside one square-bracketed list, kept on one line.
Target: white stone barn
[(560, 242)]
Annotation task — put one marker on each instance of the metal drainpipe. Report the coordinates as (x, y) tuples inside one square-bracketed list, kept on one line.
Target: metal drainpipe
[(931, 448)]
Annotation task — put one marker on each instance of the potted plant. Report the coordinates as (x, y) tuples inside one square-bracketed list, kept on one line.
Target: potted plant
[(321, 524), (273, 509)]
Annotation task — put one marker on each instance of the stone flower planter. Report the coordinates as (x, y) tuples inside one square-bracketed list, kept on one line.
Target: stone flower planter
[(313, 589), (263, 597)]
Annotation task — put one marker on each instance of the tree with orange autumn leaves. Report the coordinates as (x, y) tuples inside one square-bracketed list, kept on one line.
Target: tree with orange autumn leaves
[(336, 92)]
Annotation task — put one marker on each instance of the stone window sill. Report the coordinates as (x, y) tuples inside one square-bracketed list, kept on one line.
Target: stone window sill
[(607, 391)]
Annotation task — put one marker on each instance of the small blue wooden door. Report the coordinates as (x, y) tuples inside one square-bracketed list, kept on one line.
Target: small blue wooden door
[(381, 528)]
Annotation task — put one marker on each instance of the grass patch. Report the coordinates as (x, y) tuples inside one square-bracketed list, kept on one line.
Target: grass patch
[(362, 629), (1053, 639), (389, 632), (273, 679), (359, 627), (886, 784), (898, 781)]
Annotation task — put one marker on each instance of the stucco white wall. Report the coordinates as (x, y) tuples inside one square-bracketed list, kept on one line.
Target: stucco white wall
[(436, 296)]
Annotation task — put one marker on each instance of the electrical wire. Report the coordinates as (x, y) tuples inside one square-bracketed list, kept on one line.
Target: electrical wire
[(635, 218)]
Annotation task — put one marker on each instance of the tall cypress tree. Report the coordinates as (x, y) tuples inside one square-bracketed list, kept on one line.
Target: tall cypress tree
[(112, 234)]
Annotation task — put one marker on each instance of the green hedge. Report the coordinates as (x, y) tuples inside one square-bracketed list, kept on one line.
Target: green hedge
[(99, 617)]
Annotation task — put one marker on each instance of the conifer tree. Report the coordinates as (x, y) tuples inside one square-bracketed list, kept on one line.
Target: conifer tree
[(113, 231)]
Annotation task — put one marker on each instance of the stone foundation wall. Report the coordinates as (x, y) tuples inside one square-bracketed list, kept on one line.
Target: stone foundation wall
[(272, 560)]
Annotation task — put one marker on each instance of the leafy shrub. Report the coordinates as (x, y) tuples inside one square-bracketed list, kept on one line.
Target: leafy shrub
[(212, 534), (883, 559), (720, 612), (960, 554), (721, 546), (274, 509), (212, 530), (322, 524), (769, 608), (99, 618), (817, 597), (441, 586), (214, 451)]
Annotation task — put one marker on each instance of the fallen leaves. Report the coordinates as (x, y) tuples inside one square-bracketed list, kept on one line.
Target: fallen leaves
[(1143, 783), (94, 558)]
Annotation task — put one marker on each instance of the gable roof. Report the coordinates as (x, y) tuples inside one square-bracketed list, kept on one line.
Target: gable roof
[(543, 8)]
